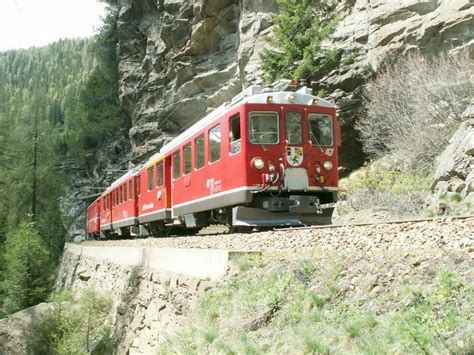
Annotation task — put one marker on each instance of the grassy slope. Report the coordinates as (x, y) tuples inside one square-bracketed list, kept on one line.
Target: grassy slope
[(354, 303)]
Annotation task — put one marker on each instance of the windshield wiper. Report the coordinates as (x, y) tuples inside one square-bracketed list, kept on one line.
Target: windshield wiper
[(316, 140)]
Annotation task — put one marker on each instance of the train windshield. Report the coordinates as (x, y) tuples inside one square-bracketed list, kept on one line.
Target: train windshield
[(293, 128), (264, 128), (320, 129)]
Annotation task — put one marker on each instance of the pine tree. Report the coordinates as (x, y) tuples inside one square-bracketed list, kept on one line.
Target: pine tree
[(27, 278), (296, 50)]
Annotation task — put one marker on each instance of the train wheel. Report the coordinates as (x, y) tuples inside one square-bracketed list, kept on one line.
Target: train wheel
[(240, 229), (159, 230)]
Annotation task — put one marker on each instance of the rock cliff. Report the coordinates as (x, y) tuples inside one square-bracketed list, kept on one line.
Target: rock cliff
[(179, 59)]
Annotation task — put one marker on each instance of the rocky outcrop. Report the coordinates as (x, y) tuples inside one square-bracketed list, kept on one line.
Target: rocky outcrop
[(376, 32), (148, 305), (179, 59), (453, 182), (18, 333)]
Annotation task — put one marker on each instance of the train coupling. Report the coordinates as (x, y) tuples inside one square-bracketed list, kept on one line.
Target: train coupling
[(301, 204)]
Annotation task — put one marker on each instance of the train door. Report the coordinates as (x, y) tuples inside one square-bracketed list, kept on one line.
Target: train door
[(297, 149), (167, 183)]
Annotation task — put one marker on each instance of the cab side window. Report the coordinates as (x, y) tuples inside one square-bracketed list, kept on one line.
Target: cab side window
[(234, 133)]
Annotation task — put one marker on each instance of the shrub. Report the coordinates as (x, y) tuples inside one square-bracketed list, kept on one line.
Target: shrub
[(414, 106), (401, 192), (74, 327)]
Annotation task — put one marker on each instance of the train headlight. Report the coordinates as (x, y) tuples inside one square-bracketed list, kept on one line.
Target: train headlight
[(327, 165), (292, 98), (258, 163)]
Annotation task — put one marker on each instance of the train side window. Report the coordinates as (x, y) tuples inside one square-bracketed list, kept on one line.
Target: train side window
[(130, 189), (215, 143), (176, 164), (199, 151), (293, 127), (125, 192), (320, 129), (159, 173), (120, 194), (235, 139), (151, 176), (187, 159)]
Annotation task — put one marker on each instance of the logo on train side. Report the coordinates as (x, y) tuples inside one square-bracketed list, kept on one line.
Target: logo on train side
[(213, 185), (294, 155), (147, 206)]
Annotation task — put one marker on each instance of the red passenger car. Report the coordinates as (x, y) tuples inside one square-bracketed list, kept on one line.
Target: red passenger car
[(268, 159), (93, 219), (264, 159), (119, 213), (155, 194)]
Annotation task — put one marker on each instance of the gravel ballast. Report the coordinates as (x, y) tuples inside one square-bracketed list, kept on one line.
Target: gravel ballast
[(446, 233)]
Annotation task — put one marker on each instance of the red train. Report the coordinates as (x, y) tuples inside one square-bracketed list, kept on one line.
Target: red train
[(264, 159)]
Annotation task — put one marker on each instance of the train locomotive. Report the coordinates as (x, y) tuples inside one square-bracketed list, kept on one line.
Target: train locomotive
[(267, 158)]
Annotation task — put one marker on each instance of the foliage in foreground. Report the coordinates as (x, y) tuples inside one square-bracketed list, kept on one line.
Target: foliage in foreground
[(74, 326), (27, 270), (414, 107), (326, 305)]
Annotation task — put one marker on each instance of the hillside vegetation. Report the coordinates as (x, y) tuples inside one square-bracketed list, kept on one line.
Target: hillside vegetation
[(58, 104), (397, 302)]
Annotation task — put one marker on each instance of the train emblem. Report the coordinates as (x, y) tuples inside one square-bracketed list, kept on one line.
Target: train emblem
[(294, 156)]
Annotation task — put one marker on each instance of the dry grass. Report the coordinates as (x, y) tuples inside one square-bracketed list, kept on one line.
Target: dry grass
[(414, 106)]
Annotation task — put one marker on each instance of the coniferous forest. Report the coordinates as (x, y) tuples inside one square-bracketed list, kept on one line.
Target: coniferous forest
[(57, 103)]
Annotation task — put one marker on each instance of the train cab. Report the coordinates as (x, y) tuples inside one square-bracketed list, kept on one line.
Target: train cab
[(266, 159)]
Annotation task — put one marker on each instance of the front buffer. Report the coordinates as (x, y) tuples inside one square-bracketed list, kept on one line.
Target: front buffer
[(292, 210)]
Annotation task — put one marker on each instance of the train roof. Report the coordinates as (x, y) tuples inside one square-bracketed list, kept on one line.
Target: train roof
[(123, 178), (252, 95)]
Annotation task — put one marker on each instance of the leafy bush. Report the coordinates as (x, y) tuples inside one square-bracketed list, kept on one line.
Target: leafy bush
[(414, 106), (74, 326), (398, 191)]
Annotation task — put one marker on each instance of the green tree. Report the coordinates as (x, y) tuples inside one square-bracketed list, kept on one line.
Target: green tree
[(27, 279), (98, 118), (296, 50)]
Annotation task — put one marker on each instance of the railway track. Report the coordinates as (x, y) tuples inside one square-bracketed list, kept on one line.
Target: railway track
[(455, 232), (221, 229)]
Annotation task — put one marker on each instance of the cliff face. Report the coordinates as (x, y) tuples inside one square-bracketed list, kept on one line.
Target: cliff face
[(181, 58)]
